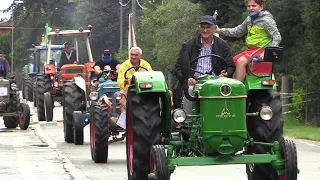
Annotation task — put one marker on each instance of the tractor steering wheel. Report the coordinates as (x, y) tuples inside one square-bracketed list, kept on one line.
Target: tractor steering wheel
[(136, 67), (221, 59)]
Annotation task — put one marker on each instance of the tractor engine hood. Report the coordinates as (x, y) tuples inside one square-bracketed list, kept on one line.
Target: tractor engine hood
[(223, 114)]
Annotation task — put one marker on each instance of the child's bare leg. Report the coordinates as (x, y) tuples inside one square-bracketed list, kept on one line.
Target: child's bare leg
[(241, 65)]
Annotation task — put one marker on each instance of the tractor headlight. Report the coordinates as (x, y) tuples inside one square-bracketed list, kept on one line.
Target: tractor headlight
[(266, 113), (93, 96), (225, 90), (13, 86), (179, 115)]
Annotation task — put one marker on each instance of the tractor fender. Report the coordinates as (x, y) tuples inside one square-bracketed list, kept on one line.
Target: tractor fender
[(81, 83), (156, 78)]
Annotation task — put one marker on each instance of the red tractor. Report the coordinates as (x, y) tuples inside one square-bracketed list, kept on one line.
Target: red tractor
[(50, 84)]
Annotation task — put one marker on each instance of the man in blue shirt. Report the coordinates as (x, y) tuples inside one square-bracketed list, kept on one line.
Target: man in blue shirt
[(4, 66)]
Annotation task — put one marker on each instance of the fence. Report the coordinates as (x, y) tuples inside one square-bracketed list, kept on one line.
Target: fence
[(304, 106)]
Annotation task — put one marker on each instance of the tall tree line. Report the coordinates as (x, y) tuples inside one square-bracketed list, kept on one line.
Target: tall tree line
[(164, 24)]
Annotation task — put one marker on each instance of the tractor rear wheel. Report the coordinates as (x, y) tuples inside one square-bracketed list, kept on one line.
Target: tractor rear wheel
[(29, 88), (143, 130), (99, 133), (265, 131), (43, 86), (14, 104), (35, 93), (24, 120), (74, 100), (160, 166)]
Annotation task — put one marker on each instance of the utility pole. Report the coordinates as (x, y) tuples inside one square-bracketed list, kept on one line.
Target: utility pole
[(121, 25), (12, 42), (134, 13)]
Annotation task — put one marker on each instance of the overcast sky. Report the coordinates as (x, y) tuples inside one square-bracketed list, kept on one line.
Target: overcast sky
[(4, 5)]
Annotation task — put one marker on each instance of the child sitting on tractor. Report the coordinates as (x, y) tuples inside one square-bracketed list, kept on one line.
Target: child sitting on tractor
[(260, 27)]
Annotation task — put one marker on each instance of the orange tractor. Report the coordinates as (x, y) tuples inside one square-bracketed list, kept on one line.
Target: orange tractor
[(51, 83)]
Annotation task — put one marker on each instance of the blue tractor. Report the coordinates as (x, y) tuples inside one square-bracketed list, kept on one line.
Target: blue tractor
[(101, 107)]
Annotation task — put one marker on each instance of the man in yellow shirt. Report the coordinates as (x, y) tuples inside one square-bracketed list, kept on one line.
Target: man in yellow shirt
[(124, 82)]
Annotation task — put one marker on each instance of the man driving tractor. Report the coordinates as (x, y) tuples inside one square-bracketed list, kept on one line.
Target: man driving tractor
[(205, 44), (124, 82), (69, 56), (106, 60)]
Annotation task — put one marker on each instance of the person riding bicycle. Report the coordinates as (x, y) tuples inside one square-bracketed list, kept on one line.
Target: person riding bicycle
[(260, 28), (124, 82), (107, 60)]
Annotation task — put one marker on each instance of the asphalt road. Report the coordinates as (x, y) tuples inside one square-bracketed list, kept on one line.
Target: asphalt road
[(24, 155), (78, 163)]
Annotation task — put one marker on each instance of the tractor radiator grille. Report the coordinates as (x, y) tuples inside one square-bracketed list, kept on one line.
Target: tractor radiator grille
[(74, 71)]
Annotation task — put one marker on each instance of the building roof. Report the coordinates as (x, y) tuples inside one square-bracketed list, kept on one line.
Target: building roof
[(6, 24)]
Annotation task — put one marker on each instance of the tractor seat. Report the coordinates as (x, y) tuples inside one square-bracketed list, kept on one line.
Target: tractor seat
[(261, 68)]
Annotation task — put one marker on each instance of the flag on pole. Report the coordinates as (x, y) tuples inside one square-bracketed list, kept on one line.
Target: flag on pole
[(46, 36)]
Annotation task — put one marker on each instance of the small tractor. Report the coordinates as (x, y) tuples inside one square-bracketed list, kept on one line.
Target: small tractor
[(13, 111), (102, 106), (34, 67), (231, 123), (54, 83)]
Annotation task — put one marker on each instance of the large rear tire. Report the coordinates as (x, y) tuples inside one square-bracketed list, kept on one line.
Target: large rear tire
[(43, 86), (99, 133), (35, 93), (29, 89), (74, 100), (265, 131), (143, 130)]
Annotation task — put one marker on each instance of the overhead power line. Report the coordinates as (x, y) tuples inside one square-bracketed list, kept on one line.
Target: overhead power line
[(124, 5), (139, 4)]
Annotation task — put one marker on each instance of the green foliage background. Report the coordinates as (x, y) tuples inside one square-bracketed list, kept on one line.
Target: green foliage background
[(164, 24)]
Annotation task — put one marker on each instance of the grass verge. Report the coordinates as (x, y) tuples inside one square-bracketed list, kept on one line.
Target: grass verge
[(297, 130)]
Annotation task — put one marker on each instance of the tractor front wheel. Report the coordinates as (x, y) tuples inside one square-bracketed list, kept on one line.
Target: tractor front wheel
[(143, 130), (48, 106), (24, 119), (99, 133), (159, 163), (78, 126), (289, 153)]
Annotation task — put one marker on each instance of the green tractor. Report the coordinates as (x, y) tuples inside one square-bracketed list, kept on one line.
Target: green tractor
[(231, 123)]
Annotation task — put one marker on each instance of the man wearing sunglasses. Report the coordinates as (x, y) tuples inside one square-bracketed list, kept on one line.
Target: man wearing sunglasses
[(106, 60)]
